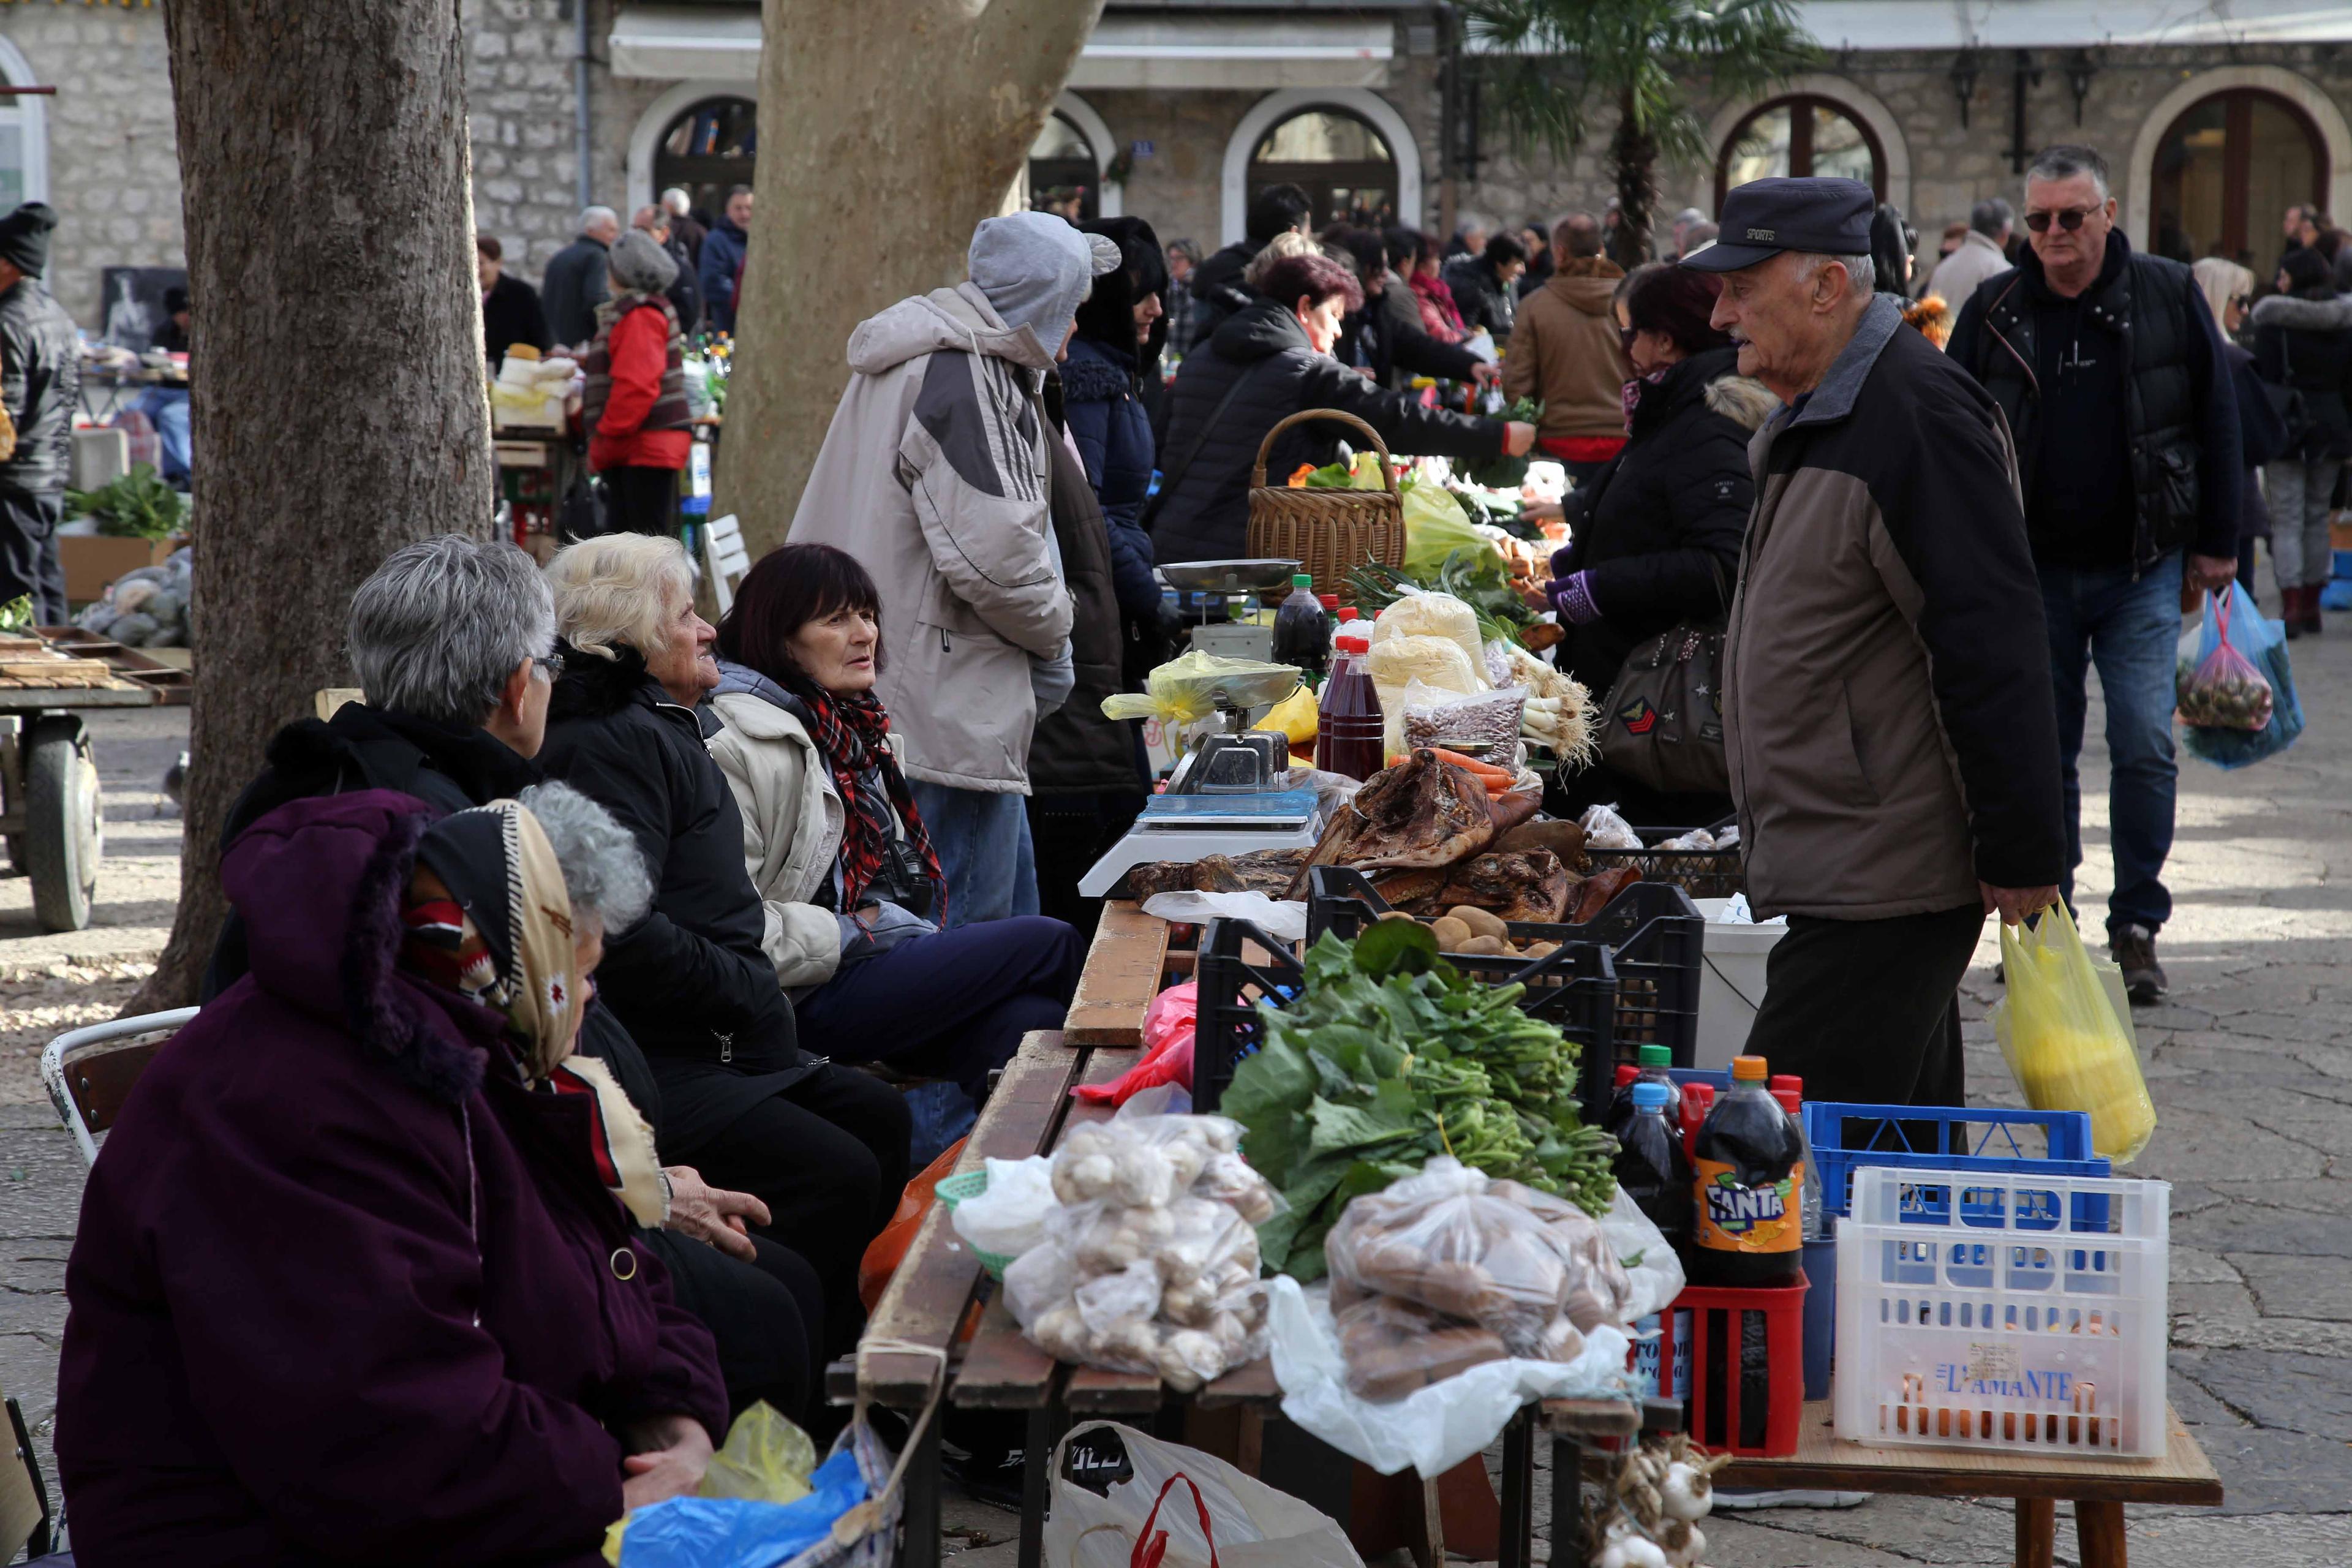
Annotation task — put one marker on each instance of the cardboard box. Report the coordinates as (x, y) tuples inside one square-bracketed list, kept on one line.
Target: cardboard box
[(92, 560)]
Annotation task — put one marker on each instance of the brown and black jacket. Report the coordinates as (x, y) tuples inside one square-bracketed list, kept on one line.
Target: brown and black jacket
[(1889, 723)]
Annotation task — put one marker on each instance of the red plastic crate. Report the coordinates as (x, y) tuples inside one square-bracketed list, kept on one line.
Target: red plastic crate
[(1716, 1316)]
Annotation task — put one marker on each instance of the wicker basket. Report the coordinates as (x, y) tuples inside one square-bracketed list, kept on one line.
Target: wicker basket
[(1330, 532)]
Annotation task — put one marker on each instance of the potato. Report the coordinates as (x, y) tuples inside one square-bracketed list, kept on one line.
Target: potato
[(1394, 915), (1482, 923), (1451, 933), (1483, 946), (1541, 949)]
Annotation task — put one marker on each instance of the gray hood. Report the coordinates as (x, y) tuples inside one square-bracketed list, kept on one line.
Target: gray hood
[(1036, 271)]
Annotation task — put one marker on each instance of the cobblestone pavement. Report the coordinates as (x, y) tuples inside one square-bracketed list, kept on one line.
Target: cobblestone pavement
[(2250, 1062)]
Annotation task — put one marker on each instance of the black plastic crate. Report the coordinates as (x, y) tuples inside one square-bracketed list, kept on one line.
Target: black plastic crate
[(1655, 936), (1701, 873), (1574, 988)]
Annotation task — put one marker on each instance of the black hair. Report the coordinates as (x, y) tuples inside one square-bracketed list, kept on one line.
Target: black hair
[(1406, 246), (789, 587), (1277, 209), (1369, 249), (1503, 247)]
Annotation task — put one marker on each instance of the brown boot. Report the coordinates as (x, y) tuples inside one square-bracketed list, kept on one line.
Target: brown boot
[(2311, 609), (2291, 612)]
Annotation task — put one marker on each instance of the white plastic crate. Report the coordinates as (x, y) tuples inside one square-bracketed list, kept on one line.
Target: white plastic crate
[(2014, 1312)]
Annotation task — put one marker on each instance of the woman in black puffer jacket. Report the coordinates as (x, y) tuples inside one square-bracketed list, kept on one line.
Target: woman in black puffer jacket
[(1275, 358), (2303, 340), (1656, 534)]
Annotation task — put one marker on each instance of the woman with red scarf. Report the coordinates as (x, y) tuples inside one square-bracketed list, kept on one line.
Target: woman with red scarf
[(1440, 317), (851, 892)]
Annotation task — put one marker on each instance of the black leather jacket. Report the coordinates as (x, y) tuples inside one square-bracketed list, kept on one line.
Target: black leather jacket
[(40, 381)]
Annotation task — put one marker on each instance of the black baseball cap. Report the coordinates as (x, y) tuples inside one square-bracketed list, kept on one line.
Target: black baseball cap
[(1764, 217)]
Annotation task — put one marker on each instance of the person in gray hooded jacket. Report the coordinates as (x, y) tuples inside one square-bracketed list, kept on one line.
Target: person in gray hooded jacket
[(934, 476)]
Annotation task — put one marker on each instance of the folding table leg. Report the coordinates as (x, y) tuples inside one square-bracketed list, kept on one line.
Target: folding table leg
[(1518, 1491), (1046, 1425), (2037, 1532), (2099, 1530), (920, 1538), (1566, 1500)]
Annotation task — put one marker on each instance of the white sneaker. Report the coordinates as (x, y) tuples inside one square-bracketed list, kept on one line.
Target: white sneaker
[(1736, 1498)]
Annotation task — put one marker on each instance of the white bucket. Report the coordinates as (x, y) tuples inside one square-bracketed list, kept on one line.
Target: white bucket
[(1730, 983)]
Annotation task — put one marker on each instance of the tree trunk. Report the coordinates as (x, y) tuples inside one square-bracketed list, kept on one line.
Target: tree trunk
[(338, 414), (1633, 157), (887, 129)]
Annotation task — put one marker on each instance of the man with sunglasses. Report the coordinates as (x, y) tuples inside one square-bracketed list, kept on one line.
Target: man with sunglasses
[(2110, 371)]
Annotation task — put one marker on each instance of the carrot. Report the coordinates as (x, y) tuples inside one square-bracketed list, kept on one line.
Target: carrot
[(1481, 771)]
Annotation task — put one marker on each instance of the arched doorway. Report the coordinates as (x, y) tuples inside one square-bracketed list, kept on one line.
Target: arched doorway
[(1344, 166), (1064, 171), (708, 150), (2224, 173), (1800, 136)]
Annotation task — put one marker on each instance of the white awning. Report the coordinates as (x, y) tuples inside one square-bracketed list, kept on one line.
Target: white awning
[(711, 43), (2069, 24), (687, 43)]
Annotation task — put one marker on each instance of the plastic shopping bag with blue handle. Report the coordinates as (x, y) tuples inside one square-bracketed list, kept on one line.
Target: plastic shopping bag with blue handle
[(2235, 650)]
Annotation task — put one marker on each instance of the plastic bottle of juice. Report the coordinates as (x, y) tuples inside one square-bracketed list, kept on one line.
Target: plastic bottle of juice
[(1655, 1061), (1749, 1169), (1302, 631), (1651, 1166), (1349, 739)]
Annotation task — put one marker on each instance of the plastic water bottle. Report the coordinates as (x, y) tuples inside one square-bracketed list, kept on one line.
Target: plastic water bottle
[(1302, 631)]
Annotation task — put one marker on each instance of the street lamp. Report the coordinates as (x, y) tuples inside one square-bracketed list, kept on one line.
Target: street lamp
[(2080, 70), (1964, 82)]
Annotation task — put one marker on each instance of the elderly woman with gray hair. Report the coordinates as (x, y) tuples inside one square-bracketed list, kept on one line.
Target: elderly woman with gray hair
[(448, 1343), (822, 1147), (635, 404)]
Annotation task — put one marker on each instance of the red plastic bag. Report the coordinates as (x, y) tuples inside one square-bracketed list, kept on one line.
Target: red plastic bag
[(2225, 692), (885, 1252), (1168, 1025)]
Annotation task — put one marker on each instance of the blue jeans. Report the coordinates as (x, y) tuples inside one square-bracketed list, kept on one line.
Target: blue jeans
[(2131, 630), (167, 408), (983, 845)]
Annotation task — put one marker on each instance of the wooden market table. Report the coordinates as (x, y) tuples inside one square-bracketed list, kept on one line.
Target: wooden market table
[(2098, 1488), (915, 1347)]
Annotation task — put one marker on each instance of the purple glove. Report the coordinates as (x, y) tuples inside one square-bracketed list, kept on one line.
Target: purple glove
[(1572, 598), (1559, 559)]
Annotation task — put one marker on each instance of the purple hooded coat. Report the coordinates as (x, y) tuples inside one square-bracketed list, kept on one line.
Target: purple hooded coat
[(339, 1293)]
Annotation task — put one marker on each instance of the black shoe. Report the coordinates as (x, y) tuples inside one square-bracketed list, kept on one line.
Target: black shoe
[(2134, 948)]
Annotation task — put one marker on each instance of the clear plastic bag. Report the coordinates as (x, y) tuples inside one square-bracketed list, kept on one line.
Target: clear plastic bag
[(1420, 612), (1485, 726), (2225, 692), (1393, 1347), (1009, 1217), (1442, 1240), (2264, 642), (1604, 829)]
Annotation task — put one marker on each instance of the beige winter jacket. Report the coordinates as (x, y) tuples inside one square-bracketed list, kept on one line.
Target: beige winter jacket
[(792, 830), (1565, 352), (933, 473)]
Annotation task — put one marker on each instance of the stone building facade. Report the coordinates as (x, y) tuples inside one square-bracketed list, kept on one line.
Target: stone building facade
[(1171, 104)]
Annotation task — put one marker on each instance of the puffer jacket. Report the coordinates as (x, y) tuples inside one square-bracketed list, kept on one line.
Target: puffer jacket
[(717, 266), (1482, 297), (1889, 718), (1204, 510), (2307, 343), (40, 381), (934, 476), (1657, 531), (1565, 352), (1103, 407), (1404, 348)]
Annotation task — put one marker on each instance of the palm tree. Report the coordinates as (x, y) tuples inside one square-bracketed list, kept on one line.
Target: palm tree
[(1637, 53)]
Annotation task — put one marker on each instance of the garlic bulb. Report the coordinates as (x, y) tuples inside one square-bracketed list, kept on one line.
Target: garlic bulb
[(1687, 1494)]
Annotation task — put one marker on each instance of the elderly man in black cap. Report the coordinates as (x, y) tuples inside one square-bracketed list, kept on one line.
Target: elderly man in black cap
[(1893, 747), (40, 384)]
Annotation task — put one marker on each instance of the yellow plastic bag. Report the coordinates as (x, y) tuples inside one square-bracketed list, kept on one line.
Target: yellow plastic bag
[(1295, 718), (766, 1459), (2067, 1035), (1183, 691)]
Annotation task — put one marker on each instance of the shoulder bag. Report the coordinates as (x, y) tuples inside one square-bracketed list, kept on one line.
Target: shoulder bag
[(1663, 724)]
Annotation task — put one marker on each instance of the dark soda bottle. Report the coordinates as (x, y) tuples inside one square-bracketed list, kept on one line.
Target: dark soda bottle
[(1348, 741), (1652, 1168), (1655, 1060), (1747, 1202), (1302, 631)]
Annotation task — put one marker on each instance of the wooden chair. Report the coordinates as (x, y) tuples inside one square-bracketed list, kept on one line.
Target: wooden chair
[(90, 1071), (725, 557)]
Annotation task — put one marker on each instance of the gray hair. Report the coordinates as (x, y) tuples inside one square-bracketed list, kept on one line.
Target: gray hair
[(1860, 271), (439, 628), (597, 217), (603, 870), (1992, 215), (618, 590), (2064, 162), (677, 200)]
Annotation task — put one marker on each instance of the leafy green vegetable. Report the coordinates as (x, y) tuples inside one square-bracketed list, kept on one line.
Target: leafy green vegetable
[(138, 505), (16, 614), (1505, 473), (1390, 1056)]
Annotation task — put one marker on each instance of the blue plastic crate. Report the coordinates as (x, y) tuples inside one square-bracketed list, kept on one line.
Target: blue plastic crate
[(2340, 564), (1844, 1136)]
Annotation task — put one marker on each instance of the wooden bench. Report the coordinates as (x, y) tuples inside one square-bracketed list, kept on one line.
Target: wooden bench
[(2098, 1488)]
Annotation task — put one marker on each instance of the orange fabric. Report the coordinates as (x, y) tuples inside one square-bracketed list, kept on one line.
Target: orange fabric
[(640, 349), (885, 1251)]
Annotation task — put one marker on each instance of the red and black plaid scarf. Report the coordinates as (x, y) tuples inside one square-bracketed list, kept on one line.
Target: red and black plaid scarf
[(850, 732)]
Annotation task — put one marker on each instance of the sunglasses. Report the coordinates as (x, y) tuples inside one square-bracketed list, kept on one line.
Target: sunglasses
[(549, 665), (2070, 219)]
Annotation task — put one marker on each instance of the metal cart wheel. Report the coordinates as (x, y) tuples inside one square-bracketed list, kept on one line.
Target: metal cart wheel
[(64, 830)]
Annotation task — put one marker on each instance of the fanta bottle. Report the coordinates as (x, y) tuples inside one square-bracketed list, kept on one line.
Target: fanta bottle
[(1747, 1176)]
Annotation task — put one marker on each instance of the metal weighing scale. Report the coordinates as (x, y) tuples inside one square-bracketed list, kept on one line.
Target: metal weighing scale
[(1225, 797), (1228, 639)]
